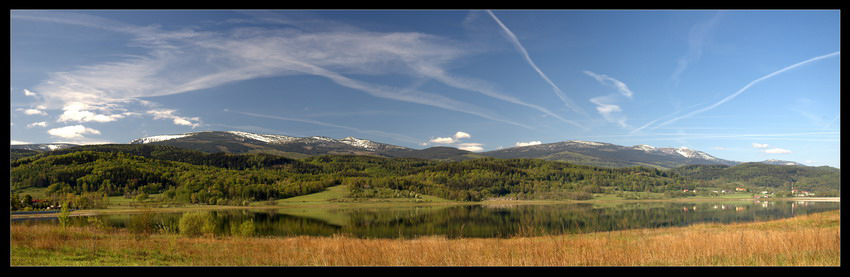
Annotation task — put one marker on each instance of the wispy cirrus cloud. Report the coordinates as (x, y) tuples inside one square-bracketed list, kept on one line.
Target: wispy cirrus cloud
[(569, 103), (176, 119), (182, 60), (621, 87), (605, 105), (698, 36), (488, 90)]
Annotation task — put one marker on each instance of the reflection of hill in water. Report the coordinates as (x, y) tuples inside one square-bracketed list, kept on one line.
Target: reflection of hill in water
[(490, 221)]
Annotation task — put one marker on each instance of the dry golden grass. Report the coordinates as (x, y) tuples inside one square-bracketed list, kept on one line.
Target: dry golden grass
[(812, 240)]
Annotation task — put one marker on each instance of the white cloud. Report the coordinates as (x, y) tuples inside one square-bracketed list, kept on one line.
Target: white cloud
[(776, 151), (471, 146), (17, 142), (455, 140), (760, 145), (72, 132), (39, 124), (79, 112), (29, 93), (720, 148), (460, 135), (520, 144), (34, 112), (178, 120), (446, 140), (605, 105), (609, 111)]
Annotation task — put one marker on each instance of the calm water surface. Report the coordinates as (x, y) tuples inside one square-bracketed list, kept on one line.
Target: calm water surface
[(487, 221)]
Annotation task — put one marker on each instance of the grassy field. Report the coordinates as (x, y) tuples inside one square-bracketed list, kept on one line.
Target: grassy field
[(812, 240)]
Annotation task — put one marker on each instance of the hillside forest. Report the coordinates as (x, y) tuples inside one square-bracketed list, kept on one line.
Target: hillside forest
[(86, 176)]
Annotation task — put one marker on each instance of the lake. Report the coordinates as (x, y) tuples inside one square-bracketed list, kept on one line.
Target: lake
[(485, 221)]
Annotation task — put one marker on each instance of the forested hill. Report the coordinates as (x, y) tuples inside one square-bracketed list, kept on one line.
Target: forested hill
[(191, 176), (823, 180), (171, 153), (90, 172)]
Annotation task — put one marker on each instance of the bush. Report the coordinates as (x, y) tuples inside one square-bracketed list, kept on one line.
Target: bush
[(195, 224), (64, 216), (143, 224), (246, 229)]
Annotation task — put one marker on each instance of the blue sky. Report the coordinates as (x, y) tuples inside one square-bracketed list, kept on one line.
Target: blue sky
[(744, 85)]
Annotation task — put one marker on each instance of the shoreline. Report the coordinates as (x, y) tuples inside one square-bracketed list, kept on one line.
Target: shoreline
[(372, 204)]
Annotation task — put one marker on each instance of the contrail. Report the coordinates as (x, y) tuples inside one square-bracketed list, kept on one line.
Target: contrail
[(477, 86), (730, 97), (567, 101), (831, 121)]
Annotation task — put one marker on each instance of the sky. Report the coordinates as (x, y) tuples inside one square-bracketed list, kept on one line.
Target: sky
[(742, 85)]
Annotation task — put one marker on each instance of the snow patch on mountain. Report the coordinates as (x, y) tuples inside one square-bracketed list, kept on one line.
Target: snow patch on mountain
[(706, 156), (644, 147), (361, 143), (145, 140), (685, 152), (323, 138), (590, 143), (780, 162), (42, 147), (264, 138)]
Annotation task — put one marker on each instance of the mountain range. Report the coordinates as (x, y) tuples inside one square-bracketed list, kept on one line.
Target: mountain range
[(573, 151)]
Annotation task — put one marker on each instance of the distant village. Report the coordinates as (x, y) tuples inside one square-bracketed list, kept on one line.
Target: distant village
[(762, 194)]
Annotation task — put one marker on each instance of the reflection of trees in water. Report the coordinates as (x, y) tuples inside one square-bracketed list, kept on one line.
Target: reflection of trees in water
[(524, 220), (288, 225), (484, 221)]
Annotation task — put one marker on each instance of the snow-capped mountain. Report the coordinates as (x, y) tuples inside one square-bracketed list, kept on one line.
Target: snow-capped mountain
[(42, 146), (607, 154), (151, 139), (682, 151), (244, 142), (780, 162), (574, 151)]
